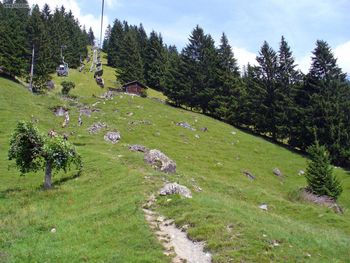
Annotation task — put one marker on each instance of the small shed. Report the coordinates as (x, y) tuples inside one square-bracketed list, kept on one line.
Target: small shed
[(134, 87)]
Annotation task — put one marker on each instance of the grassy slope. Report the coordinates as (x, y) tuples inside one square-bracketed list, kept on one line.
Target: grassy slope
[(98, 215)]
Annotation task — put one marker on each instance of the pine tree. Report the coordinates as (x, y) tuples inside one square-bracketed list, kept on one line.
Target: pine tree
[(288, 81), (14, 53), (319, 173), (264, 98), (105, 45), (38, 38), (172, 86), (225, 102), (115, 43), (155, 62), (91, 36), (325, 105), (131, 67), (198, 66)]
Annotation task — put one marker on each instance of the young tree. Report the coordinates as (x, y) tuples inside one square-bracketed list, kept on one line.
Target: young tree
[(33, 151), (319, 173)]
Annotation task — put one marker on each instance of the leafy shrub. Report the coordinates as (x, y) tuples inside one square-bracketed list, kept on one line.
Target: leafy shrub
[(319, 173), (33, 151), (67, 86), (143, 93)]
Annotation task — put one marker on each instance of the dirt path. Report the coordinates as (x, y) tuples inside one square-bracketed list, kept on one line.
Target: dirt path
[(175, 241)]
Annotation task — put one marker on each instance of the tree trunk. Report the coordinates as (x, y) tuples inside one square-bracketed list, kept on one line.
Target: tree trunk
[(48, 173)]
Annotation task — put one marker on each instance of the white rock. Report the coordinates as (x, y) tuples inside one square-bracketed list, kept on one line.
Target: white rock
[(263, 207), (53, 230)]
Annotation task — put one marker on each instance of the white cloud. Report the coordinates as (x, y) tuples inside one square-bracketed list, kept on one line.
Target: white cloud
[(244, 57), (342, 53), (89, 20), (304, 63)]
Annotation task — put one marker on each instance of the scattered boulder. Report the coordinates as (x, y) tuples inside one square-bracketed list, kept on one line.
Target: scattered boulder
[(50, 85), (301, 172), (129, 114), (88, 111), (174, 188), (321, 200), (59, 111), (185, 125), (233, 133), (197, 136), (160, 161), (137, 148), (96, 127), (263, 207), (249, 175), (112, 137), (204, 129), (277, 172)]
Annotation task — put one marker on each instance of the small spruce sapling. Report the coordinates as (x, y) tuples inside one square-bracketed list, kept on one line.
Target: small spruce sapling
[(319, 173)]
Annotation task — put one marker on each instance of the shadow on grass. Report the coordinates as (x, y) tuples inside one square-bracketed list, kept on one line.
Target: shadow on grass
[(66, 179), (4, 193)]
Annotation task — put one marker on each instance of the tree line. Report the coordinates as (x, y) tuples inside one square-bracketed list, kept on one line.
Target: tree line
[(47, 31), (271, 98)]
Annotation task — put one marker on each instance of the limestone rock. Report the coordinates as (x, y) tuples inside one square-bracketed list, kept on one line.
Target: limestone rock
[(96, 127), (185, 125), (277, 172), (174, 188), (112, 137), (137, 148), (160, 161)]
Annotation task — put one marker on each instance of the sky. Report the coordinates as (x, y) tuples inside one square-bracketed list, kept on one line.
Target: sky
[(247, 24)]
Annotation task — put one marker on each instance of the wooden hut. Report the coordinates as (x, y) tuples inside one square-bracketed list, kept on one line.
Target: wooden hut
[(134, 87)]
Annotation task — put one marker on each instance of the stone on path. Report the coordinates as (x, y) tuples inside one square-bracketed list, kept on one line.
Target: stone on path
[(174, 188)]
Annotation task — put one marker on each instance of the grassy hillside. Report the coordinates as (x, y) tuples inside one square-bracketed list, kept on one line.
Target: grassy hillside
[(98, 216)]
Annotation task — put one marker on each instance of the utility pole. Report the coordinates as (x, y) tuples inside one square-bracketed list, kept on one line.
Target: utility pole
[(103, 5), (31, 72)]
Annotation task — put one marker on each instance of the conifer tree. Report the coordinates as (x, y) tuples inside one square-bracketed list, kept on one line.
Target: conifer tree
[(91, 36), (264, 101), (155, 62), (288, 81), (105, 45), (131, 67), (38, 37), (173, 88), (115, 43), (14, 53), (326, 100), (224, 104), (319, 173)]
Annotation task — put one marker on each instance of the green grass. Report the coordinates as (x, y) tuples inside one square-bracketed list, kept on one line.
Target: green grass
[(98, 215)]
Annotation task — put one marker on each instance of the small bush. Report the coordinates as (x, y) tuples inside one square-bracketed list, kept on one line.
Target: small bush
[(143, 93), (67, 86)]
